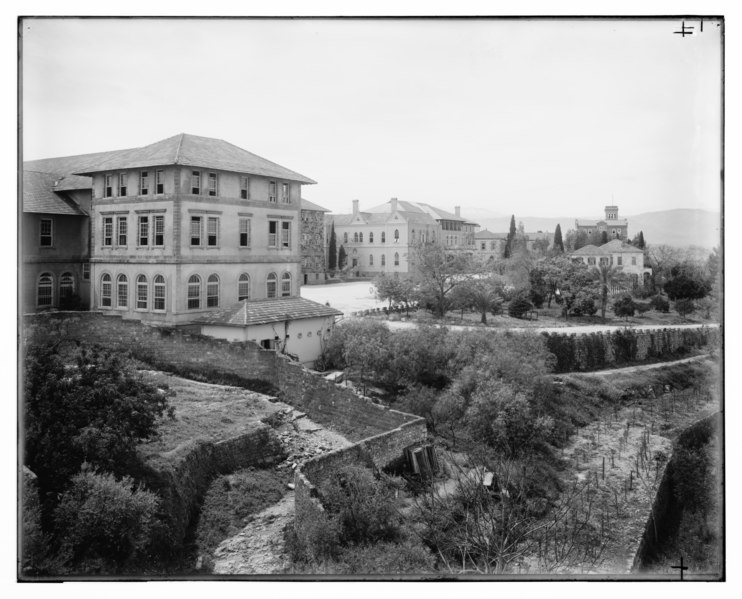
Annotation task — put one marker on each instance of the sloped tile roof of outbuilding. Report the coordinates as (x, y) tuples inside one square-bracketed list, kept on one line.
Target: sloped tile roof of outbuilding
[(486, 234), (307, 205), (249, 312), (612, 247), (39, 195), (193, 150)]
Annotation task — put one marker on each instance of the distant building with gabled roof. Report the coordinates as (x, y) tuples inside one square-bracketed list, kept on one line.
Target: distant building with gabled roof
[(380, 239), (615, 227), (615, 253)]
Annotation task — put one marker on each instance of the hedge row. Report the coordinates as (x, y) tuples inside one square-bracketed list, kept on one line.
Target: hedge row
[(624, 346)]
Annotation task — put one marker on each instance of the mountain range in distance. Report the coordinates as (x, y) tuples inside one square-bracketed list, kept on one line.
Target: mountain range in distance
[(680, 227)]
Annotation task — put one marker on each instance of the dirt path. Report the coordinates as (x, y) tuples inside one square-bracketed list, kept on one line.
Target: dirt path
[(643, 367), (259, 547)]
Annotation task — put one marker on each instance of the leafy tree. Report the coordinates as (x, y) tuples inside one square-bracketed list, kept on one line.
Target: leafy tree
[(578, 289), (684, 307), (437, 274), (608, 275), (624, 306), (661, 259), (484, 293), (580, 240), (332, 257), (342, 257), (507, 252), (540, 247), (660, 304), (397, 290), (558, 242), (603, 237), (90, 408), (687, 282), (105, 525)]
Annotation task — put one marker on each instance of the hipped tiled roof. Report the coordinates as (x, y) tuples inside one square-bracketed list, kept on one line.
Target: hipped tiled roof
[(612, 247), (39, 195), (249, 312), (307, 205), (192, 150), (486, 234)]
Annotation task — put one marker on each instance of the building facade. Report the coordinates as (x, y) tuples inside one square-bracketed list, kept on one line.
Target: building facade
[(313, 243), (615, 227), (170, 231), (623, 256), (382, 239)]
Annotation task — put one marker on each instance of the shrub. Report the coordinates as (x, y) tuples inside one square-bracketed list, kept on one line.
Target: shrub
[(387, 559), (105, 525), (624, 306), (585, 306), (642, 307), (660, 304), (685, 307), (518, 306)]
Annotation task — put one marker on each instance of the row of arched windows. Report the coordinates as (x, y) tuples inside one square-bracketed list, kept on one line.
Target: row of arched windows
[(45, 288), (358, 237), (115, 294), (383, 259)]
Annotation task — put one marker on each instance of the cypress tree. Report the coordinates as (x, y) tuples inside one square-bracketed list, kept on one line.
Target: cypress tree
[(332, 258), (511, 236), (604, 238), (558, 243), (342, 258)]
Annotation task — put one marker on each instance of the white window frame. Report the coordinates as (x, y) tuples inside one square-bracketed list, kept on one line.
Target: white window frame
[(143, 230), (159, 182), (108, 185), (49, 235), (243, 285), (196, 183), (212, 283), (159, 285), (285, 193), (286, 284), (244, 187), (158, 230), (143, 183), (212, 231), (271, 285), (196, 220), (285, 234), (272, 192), (69, 289), (213, 184), (141, 302), (48, 279), (122, 231), (273, 237), (107, 232), (86, 271), (244, 232), (123, 179), (106, 280), (194, 283), (122, 281)]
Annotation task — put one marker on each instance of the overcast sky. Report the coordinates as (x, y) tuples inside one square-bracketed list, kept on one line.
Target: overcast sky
[(532, 117)]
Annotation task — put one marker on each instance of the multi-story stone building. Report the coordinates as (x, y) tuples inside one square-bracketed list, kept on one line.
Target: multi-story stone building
[(615, 227), (381, 239), (313, 242), (171, 231), (616, 253)]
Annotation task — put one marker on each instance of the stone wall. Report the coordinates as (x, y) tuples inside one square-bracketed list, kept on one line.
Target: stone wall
[(218, 360), (312, 243), (377, 452)]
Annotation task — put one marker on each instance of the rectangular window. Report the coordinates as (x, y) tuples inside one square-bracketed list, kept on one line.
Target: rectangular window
[(244, 232), (144, 230), (143, 183), (142, 295), (591, 261), (272, 233), (159, 182), (212, 184), (46, 233), (196, 230), (244, 188), (196, 183), (285, 234), (619, 261), (121, 225), (633, 260), (159, 223), (108, 231), (86, 271), (272, 192), (285, 193), (108, 187), (212, 231), (122, 184)]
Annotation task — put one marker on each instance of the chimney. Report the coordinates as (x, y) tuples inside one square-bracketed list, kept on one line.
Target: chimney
[(457, 211), (355, 206), (394, 204)]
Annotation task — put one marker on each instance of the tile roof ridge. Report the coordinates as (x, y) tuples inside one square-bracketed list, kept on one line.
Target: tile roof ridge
[(177, 150)]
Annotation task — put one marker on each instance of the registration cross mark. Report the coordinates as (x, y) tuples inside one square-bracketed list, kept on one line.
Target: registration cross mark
[(681, 567), (685, 30)]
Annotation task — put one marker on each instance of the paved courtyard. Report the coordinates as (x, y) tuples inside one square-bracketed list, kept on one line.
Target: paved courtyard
[(346, 297)]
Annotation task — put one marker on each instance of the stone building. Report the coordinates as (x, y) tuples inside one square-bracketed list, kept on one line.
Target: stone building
[(381, 239), (313, 243), (166, 233), (615, 253), (615, 227)]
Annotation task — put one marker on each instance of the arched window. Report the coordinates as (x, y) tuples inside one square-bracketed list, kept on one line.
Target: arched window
[(159, 300), (45, 290), (66, 285), (142, 292), (212, 292), (106, 291), (371, 260), (271, 283), (286, 284), (383, 259), (360, 237), (194, 292), (371, 237), (355, 237), (243, 287), (122, 291), (396, 235), (396, 259), (345, 237)]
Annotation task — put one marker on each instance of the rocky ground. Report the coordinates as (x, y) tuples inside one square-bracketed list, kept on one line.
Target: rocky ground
[(259, 547)]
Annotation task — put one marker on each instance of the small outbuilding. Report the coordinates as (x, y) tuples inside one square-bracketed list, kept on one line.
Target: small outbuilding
[(294, 326)]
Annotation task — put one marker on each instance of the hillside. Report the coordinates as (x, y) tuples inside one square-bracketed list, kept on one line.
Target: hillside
[(680, 227)]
